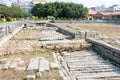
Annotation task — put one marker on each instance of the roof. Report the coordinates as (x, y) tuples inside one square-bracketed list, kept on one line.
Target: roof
[(91, 11), (110, 13)]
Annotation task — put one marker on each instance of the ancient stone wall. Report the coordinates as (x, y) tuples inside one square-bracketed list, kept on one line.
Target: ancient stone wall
[(106, 50), (75, 34)]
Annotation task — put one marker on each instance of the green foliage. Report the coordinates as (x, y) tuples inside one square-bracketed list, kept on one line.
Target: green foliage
[(33, 17), (36, 17), (112, 19), (9, 19), (60, 10), (13, 11), (51, 18)]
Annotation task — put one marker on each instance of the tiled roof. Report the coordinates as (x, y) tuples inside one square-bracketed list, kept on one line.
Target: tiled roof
[(91, 11), (110, 13)]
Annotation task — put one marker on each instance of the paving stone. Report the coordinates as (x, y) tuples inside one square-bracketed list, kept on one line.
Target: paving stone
[(30, 77), (17, 59), (20, 68), (62, 76), (6, 66), (39, 74), (4, 59), (21, 62), (33, 65), (54, 55), (13, 65), (93, 67), (44, 65), (54, 66)]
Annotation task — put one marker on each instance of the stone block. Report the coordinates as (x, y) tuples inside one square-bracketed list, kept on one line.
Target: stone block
[(30, 77), (54, 66), (13, 65), (39, 74), (6, 66), (20, 68)]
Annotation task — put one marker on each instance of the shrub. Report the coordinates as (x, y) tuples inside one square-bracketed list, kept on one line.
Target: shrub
[(9, 18), (33, 17), (3, 19), (14, 19), (36, 17), (41, 18)]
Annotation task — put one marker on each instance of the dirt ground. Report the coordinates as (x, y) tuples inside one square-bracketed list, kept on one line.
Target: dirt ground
[(25, 45), (105, 29)]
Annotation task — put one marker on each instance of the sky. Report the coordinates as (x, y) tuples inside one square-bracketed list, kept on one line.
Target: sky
[(92, 3), (86, 3)]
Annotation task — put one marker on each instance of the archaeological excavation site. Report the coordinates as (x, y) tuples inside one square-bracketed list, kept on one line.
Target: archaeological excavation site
[(63, 50)]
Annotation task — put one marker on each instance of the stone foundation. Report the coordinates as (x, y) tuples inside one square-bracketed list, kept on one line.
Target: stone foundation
[(106, 50)]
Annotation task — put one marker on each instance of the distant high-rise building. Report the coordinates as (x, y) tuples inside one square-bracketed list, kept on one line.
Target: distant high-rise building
[(39, 1), (100, 8), (27, 5), (114, 8)]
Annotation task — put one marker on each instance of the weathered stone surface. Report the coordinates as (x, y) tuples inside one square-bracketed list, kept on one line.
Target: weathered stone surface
[(4, 59), (30, 77), (20, 68), (88, 66), (106, 49), (33, 65), (39, 74), (54, 55), (54, 66), (17, 59), (6, 66), (62, 76), (13, 64), (21, 62), (44, 65)]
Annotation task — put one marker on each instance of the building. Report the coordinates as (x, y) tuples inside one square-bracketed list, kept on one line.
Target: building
[(91, 14), (28, 4), (100, 8), (108, 15), (39, 1), (114, 8)]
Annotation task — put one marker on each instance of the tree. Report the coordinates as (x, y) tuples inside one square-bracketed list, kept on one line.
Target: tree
[(13, 11), (60, 9)]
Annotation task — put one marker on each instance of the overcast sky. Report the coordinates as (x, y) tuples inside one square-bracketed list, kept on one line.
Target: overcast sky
[(92, 3), (87, 3)]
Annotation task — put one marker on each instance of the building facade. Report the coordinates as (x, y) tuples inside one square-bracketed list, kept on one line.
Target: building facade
[(114, 8), (28, 4)]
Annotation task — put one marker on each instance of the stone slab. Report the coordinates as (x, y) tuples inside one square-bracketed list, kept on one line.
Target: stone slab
[(44, 65), (30, 77), (54, 66), (34, 64), (20, 68), (6, 66), (13, 65)]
